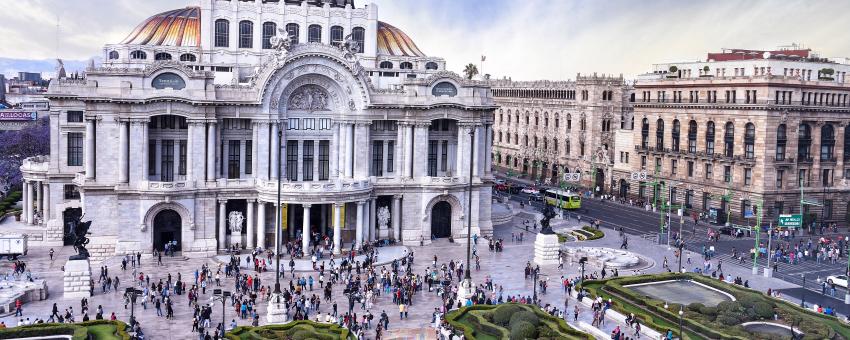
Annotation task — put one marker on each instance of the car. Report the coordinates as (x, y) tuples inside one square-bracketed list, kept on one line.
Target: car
[(536, 196), (499, 182), (530, 191), (838, 280)]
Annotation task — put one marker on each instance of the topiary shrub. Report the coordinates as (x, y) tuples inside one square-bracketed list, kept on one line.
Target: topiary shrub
[(695, 307), (525, 316), (304, 335), (523, 330), (502, 314), (763, 310)]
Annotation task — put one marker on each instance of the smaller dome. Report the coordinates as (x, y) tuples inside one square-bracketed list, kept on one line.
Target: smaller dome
[(393, 41), (179, 27)]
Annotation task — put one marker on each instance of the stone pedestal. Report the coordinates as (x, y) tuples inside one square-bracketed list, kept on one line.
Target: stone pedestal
[(465, 291), (276, 313), (768, 272), (546, 249), (77, 279)]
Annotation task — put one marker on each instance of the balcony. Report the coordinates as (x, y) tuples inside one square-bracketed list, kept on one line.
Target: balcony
[(341, 185), (804, 159), (167, 186)]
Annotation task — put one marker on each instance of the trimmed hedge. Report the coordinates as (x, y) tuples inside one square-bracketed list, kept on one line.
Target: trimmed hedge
[(596, 234), (78, 331), (477, 319), (301, 329)]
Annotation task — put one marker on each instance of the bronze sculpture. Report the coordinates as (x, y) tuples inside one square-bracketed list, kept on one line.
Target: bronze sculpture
[(79, 230)]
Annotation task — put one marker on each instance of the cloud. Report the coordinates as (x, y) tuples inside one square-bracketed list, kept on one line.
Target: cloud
[(523, 39)]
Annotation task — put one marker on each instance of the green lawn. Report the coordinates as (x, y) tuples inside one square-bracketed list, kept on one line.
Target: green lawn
[(102, 332), (481, 322)]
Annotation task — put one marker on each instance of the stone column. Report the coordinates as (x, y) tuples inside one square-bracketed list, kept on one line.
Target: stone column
[(89, 150), (338, 228), (408, 151), (273, 150), (145, 151), (361, 151), (45, 197), (323, 213), (463, 150), (476, 152), (372, 232), (263, 150), (28, 201), (261, 224), (488, 149), (348, 129), (396, 218), (37, 202), (255, 156), (124, 152), (358, 239), (398, 154), (137, 157), (305, 231), (211, 151), (249, 239), (222, 224), (334, 161)]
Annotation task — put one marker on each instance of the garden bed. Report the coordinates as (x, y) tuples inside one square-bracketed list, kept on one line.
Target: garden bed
[(511, 321), (95, 330), (297, 330)]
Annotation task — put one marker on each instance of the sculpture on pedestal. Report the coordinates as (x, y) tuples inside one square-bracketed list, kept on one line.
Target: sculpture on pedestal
[(548, 214), (383, 217), (79, 230), (235, 219)]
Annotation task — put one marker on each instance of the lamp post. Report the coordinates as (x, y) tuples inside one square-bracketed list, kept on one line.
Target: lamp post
[(466, 285), (681, 245), (803, 300), (220, 295), (534, 277), (681, 316), (132, 293), (277, 231), (582, 261)]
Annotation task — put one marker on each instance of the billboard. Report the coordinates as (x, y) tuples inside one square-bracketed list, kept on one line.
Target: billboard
[(18, 115)]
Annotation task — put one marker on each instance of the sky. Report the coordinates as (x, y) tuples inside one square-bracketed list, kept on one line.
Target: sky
[(522, 39)]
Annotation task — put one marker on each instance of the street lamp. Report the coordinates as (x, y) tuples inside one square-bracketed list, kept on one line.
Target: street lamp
[(132, 293), (277, 231), (803, 301), (582, 261), (466, 285), (220, 295), (534, 277), (681, 315), (681, 245)]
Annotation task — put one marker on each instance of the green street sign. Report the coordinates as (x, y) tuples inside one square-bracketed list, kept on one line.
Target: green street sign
[(791, 221)]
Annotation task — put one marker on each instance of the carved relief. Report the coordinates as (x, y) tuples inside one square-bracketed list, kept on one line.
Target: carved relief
[(309, 97)]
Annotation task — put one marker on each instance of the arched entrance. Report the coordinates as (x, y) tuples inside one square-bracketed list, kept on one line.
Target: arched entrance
[(441, 219), (167, 228), (624, 188), (599, 182)]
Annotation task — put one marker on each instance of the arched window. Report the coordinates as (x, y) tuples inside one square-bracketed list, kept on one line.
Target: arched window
[(293, 30), (188, 57), (729, 140), (222, 33), (569, 122), (692, 137), (246, 34), (359, 35), (709, 138), (517, 117), (113, 54), (337, 35), (827, 142), (269, 30), (162, 56), (524, 140), (804, 142), (567, 147), (555, 144), (516, 139), (431, 65), (500, 136), (644, 134), (659, 134), (781, 141), (405, 66), (583, 124), (750, 141), (314, 34), (675, 134), (385, 65), (138, 55)]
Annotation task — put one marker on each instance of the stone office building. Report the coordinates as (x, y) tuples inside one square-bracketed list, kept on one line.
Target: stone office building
[(728, 140), (187, 119)]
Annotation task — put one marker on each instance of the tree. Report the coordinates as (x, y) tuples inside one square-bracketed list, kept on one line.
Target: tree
[(470, 70), (30, 141), (673, 69)]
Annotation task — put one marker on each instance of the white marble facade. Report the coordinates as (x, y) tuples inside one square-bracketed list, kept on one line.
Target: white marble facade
[(149, 165)]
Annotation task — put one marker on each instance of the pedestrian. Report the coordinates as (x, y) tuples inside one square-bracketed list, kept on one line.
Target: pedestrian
[(51, 254)]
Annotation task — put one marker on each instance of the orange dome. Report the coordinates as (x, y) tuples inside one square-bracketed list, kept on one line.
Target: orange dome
[(392, 41), (179, 27)]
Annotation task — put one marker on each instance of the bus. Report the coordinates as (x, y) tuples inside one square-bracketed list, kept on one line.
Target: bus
[(566, 199)]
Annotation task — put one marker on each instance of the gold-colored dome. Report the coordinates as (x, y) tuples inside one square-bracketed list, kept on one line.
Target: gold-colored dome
[(393, 41), (179, 27)]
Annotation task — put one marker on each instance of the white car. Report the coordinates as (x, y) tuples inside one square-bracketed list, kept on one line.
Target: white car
[(530, 191), (498, 181), (838, 280)]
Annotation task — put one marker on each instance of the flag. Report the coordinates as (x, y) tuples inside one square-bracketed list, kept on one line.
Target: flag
[(483, 58)]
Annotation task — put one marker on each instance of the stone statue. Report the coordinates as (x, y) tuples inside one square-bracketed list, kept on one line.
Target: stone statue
[(383, 217), (234, 219), (281, 42), (318, 100), (308, 98), (79, 230), (349, 47), (548, 214)]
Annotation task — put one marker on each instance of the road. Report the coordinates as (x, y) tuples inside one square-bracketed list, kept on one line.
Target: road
[(638, 222)]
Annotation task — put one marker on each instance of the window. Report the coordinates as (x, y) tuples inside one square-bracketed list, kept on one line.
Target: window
[(804, 142), (746, 208), (138, 55), (709, 171), (75, 116), (431, 65), (181, 168), (709, 138), (293, 30), (729, 140), (658, 163), (749, 141), (827, 142), (405, 66), (779, 206), (706, 200), (307, 160), (674, 166), (359, 35), (748, 176), (269, 30), (690, 168), (71, 192), (378, 158), (692, 137), (727, 173), (644, 134), (432, 158), (643, 162), (246, 34), (676, 132), (802, 179), (781, 140), (222, 33), (292, 160), (309, 124), (188, 57), (779, 178), (292, 124), (659, 134), (166, 162), (314, 34), (151, 157), (385, 65), (336, 35), (75, 148), (113, 55), (444, 157), (324, 158), (826, 177), (162, 56), (249, 155)]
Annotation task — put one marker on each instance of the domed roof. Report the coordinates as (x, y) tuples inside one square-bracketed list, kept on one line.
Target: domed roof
[(179, 27), (393, 41)]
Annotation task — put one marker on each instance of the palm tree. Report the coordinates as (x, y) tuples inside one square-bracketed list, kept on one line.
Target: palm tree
[(470, 70)]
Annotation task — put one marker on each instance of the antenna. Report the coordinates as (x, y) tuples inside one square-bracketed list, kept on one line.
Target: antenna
[(57, 37)]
